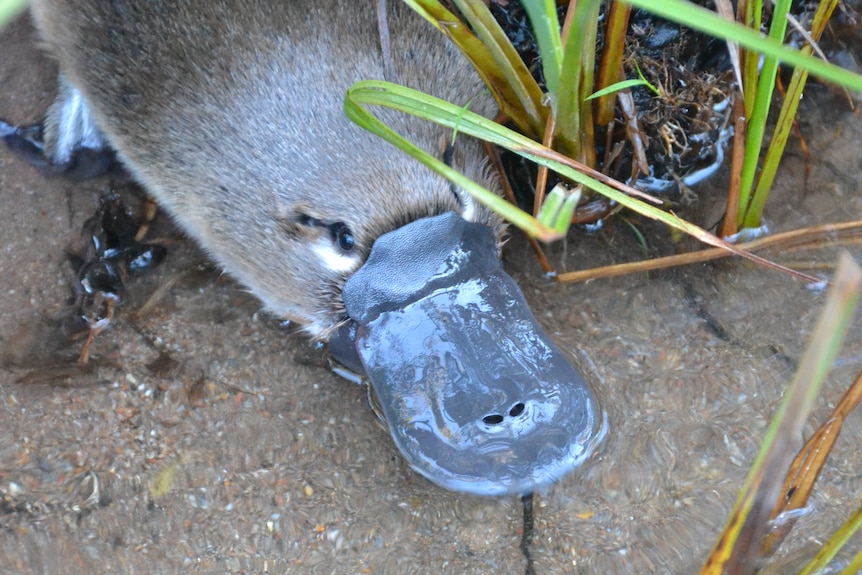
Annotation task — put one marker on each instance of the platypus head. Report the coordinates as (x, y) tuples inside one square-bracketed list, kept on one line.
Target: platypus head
[(231, 115), (412, 294), (475, 395)]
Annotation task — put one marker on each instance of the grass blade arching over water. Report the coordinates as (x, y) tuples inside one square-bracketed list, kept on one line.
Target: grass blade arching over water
[(378, 93)]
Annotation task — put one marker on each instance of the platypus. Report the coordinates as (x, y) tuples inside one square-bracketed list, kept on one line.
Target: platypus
[(229, 113)]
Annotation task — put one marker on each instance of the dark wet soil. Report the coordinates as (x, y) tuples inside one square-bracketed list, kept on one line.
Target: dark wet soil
[(205, 437)]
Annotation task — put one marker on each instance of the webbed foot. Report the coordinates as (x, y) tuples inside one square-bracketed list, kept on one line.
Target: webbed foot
[(67, 142), (28, 143)]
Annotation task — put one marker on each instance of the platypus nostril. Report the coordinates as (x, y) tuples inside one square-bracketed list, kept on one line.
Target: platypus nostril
[(493, 419), (497, 419), (517, 409)]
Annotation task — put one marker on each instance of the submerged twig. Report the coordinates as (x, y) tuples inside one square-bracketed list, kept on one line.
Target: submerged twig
[(701, 256)]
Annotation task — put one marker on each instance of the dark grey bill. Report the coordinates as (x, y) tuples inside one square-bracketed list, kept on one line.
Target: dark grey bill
[(476, 396)]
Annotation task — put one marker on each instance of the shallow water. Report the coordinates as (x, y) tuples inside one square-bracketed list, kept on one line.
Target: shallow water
[(246, 454)]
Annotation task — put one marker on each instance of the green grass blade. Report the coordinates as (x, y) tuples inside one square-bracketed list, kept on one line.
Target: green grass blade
[(573, 126), (756, 124), (855, 565), (752, 214), (710, 23), (509, 65), (546, 27), (625, 84), (610, 69), (751, 60), (10, 9), (516, 92), (786, 116), (835, 543), (639, 237), (558, 208)]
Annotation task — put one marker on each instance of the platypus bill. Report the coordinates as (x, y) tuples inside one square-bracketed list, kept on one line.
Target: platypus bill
[(229, 113)]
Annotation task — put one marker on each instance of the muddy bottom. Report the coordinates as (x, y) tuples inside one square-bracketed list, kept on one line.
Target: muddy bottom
[(204, 436)]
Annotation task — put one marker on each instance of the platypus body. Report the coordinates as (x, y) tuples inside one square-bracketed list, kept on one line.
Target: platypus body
[(229, 113)]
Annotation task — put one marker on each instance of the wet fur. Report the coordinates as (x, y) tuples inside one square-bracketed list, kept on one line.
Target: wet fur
[(230, 114)]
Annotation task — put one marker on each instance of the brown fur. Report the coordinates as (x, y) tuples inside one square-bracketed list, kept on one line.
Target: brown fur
[(229, 112)]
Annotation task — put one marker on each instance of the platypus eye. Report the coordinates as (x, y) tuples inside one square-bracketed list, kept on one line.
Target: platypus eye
[(342, 236)]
